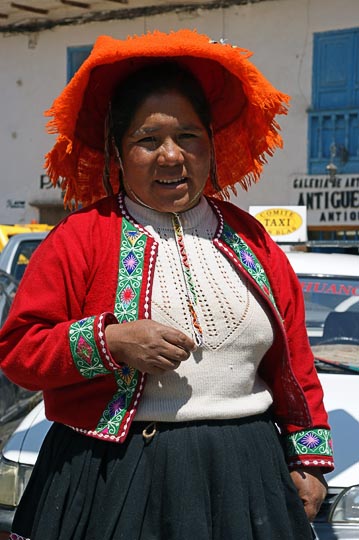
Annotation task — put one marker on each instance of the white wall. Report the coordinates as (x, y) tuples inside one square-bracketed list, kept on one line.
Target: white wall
[(33, 73)]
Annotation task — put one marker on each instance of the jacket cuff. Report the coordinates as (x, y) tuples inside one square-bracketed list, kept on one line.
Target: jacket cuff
[(88, 345), (309, 448)]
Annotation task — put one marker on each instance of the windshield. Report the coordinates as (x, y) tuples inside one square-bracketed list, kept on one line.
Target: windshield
[(332, 320)]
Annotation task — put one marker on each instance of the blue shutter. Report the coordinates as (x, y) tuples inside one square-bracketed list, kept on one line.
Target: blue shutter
[(333, 70), (334, 117), (75, 57)]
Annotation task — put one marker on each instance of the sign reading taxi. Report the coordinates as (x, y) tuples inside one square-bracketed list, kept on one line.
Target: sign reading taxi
[(283, 223)]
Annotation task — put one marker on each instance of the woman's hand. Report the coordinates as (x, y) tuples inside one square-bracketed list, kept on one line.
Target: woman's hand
[(312, 488), (148, 346)]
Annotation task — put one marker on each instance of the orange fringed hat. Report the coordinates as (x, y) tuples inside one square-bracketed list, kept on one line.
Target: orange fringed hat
[(243, 106)]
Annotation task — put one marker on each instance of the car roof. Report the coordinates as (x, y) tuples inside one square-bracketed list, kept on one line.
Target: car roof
[(10, 250), (28, 236), (324, 264)]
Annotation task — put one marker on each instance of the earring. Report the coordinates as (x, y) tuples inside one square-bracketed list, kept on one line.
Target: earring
[(119, 163), (213, 165), (107, 155)]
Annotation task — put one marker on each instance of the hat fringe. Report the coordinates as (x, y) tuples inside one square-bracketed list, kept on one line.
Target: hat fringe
[(242, 146)]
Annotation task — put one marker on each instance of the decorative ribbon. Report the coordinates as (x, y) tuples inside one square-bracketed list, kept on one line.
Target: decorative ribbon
[(191, 295)]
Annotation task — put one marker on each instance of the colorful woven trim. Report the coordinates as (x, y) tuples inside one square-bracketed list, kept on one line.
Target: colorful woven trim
[(309, 447), (243, 102), (114, 414), (88, 346), (131, 264), (130, 272), (248, 260)]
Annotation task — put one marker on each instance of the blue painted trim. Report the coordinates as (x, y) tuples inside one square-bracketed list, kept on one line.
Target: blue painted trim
[(75, 57)]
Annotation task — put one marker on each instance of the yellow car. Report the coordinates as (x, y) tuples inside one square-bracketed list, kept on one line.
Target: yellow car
[(7, 231)]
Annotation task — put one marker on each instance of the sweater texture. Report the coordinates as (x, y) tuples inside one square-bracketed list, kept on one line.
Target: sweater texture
[(220, 379)]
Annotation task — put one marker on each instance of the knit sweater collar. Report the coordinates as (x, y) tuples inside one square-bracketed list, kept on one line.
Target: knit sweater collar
[(193, 218)]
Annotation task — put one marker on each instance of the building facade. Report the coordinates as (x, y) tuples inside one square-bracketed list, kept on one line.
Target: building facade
[(307, 48)]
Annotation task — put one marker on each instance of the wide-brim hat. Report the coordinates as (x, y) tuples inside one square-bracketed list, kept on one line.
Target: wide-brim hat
[(243, 105)]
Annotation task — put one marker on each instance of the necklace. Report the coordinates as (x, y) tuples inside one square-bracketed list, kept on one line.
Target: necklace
[(191, 295)]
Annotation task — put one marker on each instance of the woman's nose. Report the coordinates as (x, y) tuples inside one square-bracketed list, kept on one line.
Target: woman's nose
[(170, 153)]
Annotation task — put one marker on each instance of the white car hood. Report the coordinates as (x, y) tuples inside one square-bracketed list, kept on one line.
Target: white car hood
[(341, 399), (24, 444)]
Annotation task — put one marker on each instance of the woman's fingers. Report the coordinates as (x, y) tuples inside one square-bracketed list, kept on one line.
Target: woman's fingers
[(148, 346), (179, 339)]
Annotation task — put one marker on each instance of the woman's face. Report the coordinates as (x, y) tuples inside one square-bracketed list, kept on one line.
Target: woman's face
[(166, 154)]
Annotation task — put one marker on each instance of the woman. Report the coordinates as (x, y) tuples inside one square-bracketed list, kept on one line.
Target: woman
[(171, 426)]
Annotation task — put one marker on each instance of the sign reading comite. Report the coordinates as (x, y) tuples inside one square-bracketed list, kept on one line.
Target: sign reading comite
[(283, 223), (329, 201)]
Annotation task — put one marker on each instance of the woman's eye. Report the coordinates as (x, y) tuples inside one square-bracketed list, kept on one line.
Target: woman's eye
[(187, 136), (145, 140)]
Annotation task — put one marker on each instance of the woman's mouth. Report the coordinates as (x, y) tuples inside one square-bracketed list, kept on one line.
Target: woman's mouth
[(171, 182)]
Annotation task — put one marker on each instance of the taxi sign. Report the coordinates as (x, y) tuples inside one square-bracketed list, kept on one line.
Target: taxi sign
[(283, 223)]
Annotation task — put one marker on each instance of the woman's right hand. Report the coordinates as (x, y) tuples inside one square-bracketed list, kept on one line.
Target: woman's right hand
[(148, 346)]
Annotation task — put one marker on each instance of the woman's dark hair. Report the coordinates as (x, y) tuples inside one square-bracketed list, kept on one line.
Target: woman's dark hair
[(154, 79)]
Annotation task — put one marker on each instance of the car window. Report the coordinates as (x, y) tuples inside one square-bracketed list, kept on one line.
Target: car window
[(332, 319), (8, 288), (15, 401), (22, 257)]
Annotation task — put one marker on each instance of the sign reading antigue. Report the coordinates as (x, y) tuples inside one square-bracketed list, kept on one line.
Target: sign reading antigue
[(329, 201)]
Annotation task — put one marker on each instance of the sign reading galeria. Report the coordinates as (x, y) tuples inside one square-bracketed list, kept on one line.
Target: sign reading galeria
[(283, 223), (329, 201)]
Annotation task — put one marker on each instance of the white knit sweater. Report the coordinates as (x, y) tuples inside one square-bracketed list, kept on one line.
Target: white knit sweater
[(220, 378)]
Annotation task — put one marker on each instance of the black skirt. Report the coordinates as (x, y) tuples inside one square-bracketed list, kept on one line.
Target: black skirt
[(210, 480)]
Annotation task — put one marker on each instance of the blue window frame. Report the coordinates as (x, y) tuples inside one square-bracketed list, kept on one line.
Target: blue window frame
[(334, 117), (75, 57)]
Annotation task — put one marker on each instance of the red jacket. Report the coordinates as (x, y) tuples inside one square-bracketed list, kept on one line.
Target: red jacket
[(53, 339)]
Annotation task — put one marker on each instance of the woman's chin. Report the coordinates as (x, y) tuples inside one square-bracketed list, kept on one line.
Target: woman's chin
[(176, 206), (171, 204)]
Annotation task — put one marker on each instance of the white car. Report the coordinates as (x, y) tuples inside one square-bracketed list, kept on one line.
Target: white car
[(17, 252), (331, 290), (330, 284)]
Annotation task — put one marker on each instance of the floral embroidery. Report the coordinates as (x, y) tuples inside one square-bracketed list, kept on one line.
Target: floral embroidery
[(14, 536), (116, 405), (87, 357), (316, 441), (130, 272), (131, 264), (84, 350), (132, 236), (310, 440), (126, 373), (127, 295), (248, 259), (113, 416)]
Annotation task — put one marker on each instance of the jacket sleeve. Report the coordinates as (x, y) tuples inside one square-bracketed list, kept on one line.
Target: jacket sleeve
[(52, 337), (288, 367), (309, 445)]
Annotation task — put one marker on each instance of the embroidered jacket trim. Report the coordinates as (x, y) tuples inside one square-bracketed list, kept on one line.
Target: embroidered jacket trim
[(92, 358)]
